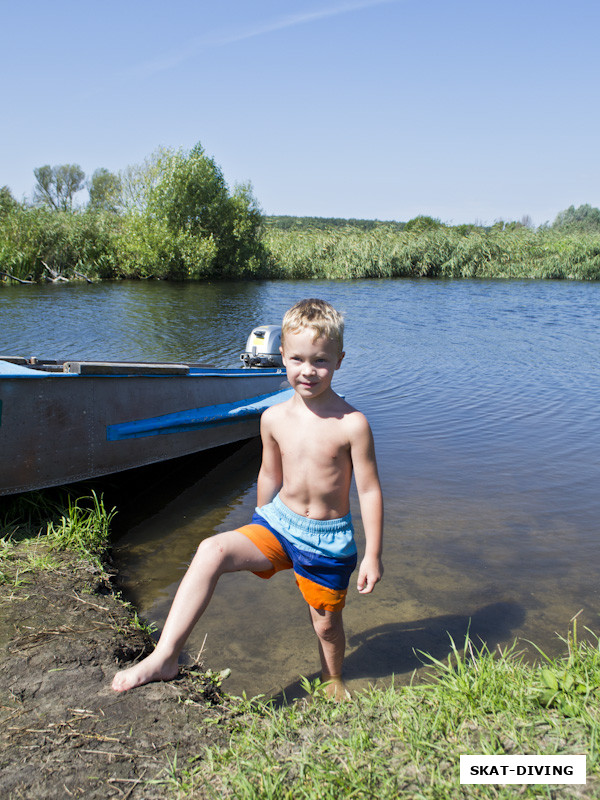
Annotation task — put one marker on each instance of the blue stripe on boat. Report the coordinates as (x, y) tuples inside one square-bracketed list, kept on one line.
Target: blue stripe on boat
[(196, 418), (9, 370)]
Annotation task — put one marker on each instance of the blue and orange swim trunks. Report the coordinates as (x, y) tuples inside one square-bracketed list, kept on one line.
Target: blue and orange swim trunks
[(322, 553)]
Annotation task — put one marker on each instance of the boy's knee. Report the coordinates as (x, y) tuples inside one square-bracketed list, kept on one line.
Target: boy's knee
[(328, 628), (211, 550), (219, 553)]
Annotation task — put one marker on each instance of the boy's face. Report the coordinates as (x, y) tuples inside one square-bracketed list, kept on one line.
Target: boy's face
[(309, 362)]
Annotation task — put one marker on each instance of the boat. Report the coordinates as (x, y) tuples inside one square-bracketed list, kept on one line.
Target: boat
[(67, 421)]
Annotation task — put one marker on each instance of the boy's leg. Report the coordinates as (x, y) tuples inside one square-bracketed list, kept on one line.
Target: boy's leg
[(329, 628), (225, 552)]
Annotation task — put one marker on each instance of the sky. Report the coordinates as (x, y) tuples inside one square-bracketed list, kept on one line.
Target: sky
[(464, 110)]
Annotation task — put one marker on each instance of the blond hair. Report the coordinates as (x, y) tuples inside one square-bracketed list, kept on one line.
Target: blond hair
[(318, 315)]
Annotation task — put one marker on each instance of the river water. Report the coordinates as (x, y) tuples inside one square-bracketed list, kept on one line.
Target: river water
[(483, 399)]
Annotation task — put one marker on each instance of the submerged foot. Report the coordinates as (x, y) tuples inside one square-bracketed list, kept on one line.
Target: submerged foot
[(334, 688), (151, 669)]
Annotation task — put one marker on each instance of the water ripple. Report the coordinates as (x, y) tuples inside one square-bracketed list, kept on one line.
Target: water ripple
[(482, 397)]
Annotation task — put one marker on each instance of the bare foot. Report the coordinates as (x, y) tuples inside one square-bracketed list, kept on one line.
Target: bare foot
[(152, 668), (334, 688)]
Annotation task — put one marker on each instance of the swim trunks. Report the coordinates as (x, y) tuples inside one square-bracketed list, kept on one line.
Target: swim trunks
[(322, 553)]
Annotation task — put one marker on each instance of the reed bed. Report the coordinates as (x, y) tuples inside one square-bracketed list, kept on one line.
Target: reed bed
[(442, 253), (101, 246)]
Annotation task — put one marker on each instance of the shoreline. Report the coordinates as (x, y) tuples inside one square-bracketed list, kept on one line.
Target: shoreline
[(63, 730), (338, 253), (65, 630)]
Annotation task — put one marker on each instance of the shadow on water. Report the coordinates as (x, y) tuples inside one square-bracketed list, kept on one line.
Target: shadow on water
[(140, 494), (400, 648)]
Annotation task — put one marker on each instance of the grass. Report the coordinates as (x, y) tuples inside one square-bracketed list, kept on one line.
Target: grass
[(83, 528), (447, 252), (34, 527), (406, 743)]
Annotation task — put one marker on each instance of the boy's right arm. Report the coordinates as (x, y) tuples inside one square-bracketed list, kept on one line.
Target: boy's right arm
[(270, 476)]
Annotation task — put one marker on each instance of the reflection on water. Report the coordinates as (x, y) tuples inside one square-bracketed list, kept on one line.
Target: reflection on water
[(482, 398), (130, 321)]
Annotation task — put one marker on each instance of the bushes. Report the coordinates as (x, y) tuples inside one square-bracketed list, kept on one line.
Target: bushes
[(140, 245), (171, 217), (31, 238), (146, 247), (177, 220)]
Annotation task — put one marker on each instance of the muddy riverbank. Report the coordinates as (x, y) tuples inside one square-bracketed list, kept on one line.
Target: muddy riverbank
[(63, 731)]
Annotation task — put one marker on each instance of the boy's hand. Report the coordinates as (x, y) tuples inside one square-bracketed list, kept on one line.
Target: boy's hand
[(369, 573)]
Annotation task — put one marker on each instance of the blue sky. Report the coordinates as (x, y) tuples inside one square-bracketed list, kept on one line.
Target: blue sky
[(380, 109)]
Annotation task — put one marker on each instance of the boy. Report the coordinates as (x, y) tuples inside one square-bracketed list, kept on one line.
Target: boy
[(311, 445)]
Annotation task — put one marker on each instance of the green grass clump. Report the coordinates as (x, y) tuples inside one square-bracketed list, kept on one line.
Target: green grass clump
[(571, 685), (35, 526), (406, 742), (83, 528)]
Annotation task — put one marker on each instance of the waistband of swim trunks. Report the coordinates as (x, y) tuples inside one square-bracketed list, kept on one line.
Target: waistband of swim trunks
[(310, 525)]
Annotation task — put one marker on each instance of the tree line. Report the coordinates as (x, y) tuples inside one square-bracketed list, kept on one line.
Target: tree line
[(174, 217), (584, 219)]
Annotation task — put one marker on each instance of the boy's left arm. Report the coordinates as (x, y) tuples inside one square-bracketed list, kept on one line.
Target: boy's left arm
[(370, 497)]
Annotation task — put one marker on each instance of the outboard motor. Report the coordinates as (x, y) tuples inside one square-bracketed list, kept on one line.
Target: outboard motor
[(262, 347)]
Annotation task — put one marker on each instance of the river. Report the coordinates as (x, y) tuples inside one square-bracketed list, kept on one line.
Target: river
[(483, 399)]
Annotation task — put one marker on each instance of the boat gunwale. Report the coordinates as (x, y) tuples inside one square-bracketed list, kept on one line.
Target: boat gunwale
[(138, 370)]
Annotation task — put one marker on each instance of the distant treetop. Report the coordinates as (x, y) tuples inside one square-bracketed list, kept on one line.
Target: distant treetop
[(424, 223), (584, 218), (55, 186), (326, 223), (7, 201)]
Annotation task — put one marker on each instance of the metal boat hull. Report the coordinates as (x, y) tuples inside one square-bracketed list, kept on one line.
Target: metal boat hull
[(60, 427)]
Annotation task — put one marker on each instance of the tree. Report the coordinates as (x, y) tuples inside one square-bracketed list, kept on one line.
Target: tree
[(513, 225), (56, 186), (583, 218), (423, 223), (105, 191), (7, 201), (139, 180), (190, 194)]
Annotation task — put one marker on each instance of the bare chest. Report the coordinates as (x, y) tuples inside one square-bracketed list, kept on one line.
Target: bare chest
[(316, 444)]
